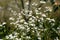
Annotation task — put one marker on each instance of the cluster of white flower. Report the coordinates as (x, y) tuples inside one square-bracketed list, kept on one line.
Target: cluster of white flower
[(12, 36), (48, 9), (25, 22), (2, 24), (50, 19), (56, 38), (11, 18), (34, 4)]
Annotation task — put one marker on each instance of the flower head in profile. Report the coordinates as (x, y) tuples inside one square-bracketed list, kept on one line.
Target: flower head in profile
[(42, 2), (43, 15), (3, 23), (11, 18)]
